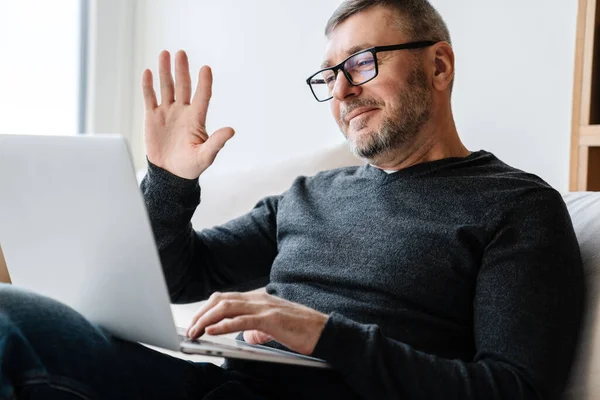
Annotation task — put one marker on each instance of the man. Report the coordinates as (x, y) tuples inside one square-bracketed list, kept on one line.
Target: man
[(431, 272)]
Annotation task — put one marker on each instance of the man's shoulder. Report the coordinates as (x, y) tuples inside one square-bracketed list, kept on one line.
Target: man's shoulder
[(494, 174), (506, 189)]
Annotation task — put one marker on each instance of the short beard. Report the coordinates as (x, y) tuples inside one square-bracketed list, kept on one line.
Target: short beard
[(413, 111)]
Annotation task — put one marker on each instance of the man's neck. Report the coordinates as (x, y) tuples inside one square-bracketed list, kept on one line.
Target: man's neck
[(435, 142)]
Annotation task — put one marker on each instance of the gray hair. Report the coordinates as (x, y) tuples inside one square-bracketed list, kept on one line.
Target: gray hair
[(416, 18)]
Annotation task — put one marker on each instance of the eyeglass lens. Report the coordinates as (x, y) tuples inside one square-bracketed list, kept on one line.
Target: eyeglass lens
[(360, 68)]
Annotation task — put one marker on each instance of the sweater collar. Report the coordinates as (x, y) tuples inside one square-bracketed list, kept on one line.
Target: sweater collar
[(422, 168)]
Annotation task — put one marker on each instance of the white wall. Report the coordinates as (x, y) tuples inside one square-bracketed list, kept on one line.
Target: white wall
[(512, 96), (111, 80), (261, 52)]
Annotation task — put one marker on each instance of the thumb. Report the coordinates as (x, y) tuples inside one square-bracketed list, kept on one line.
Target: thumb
[(256, 337), (214, 144)]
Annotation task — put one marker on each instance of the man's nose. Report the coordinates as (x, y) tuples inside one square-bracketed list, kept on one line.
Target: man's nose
[(342, 88)]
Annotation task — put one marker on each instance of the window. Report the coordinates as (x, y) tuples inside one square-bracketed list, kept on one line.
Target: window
[(43, 73)]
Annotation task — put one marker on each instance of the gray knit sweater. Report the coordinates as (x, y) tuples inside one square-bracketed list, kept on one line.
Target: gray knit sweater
[(459, 278)]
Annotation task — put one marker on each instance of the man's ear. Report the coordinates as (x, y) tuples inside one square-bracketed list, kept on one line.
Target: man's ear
[(444, 66)]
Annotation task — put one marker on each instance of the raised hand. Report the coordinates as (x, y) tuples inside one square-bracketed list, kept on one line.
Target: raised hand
[(175, 132)]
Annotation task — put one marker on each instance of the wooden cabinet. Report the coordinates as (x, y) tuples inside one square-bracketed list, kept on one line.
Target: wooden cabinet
[(3, 271), (585, 137)]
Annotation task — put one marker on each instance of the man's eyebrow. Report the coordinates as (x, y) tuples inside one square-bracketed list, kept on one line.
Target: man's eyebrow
[(348, 52)]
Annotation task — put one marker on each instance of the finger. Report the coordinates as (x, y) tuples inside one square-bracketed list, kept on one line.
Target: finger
[(150, 102), (241, 323), (203, 135), (225, 309), (166, 79), (259, 291), (256, 337), (209, 150), (212, 301), (183, 83), (203, 94)]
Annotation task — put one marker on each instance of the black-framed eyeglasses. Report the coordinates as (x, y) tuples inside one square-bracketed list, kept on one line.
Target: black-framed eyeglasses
[(359, 69)]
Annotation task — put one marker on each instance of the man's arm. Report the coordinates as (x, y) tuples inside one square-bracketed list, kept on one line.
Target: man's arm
[(179, 150), (196, 264), (527, 311)]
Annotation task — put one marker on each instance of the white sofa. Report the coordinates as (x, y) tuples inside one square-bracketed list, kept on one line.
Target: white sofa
[(584, 208), (225, 196)]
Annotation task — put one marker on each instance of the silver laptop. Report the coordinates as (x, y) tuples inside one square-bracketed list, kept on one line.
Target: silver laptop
[(74, 227)]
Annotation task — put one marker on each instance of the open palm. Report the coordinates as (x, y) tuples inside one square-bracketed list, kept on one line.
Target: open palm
[(175, 132)]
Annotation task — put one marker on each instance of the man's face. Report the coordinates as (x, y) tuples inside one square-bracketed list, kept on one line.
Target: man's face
[(388, 112)]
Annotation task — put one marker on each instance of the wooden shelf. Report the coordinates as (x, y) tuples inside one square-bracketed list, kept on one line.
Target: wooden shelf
[(595, 78), (593, 178), (4, 277), (589, 135), (585, 132)]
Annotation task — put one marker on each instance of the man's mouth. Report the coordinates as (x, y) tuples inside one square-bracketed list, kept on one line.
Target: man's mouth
[(359, 112)]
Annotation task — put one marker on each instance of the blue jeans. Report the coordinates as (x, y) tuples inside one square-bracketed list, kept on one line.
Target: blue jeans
[(48, 351)]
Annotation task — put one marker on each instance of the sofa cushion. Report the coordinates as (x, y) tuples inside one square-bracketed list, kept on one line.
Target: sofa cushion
[(229, 195), (584, 208)]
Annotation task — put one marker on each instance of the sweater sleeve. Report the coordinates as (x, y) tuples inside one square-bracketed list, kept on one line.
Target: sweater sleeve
[(236, 255), (527, 311)]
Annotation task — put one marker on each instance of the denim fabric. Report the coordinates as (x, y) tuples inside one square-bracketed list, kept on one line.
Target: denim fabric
[(48, 351)]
